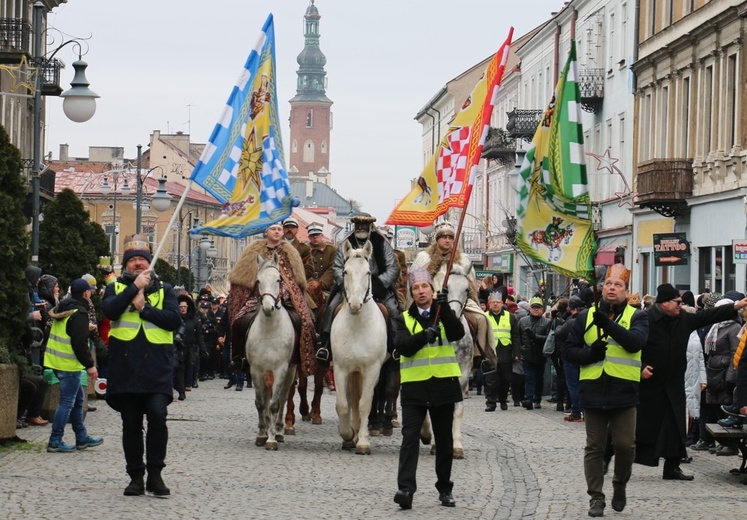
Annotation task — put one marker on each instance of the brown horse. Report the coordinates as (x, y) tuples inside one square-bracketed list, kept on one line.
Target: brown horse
[(312, 414)]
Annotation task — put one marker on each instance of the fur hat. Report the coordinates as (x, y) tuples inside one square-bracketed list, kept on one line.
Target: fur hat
[(363, 219), (618, 271), (136, 245), (710, 300), (666, 292), (442, 229)]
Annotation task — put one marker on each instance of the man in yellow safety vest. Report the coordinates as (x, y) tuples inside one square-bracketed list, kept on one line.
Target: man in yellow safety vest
[(429, 375), (67, 355), (606, 341)]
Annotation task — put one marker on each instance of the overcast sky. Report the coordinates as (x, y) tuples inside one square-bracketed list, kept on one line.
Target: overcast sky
[(169, 65)]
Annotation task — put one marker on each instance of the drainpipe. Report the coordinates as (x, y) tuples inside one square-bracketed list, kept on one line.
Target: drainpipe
[(438, 138), (557, 56), (636, 37)]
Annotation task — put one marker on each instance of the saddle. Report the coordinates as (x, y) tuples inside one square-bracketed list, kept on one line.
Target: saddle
[(240, 328)]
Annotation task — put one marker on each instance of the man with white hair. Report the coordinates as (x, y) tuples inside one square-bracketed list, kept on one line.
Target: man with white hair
[(435, 259)]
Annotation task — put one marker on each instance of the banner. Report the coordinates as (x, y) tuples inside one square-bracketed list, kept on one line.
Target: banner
[(446, 181), (242, 165), (554, 211)]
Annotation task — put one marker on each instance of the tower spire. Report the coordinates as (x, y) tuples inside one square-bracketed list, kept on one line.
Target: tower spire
[(312, 81)]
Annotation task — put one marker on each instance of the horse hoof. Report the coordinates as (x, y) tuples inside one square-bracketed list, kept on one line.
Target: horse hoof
[(260, 441), (316, 420), (290, 430), (363, 450), (279, 437), (348, 445), (374, 433), (425, 441), (306, 417), (387, 432), (271, 446), (459, 453)]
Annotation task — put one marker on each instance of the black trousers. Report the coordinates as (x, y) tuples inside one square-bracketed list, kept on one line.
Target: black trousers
[(442, 418), (498, 392), (132, 410)]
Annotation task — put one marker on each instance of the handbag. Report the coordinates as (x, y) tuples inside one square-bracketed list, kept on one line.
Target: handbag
[(716, 378), (549, 348)]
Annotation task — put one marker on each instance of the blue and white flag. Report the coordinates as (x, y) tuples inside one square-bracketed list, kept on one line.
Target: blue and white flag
[(242, 165)]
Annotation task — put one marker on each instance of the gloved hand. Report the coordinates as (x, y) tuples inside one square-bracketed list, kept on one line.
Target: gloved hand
[(431, 333), (598, 350), (442, 298), (601, 319)]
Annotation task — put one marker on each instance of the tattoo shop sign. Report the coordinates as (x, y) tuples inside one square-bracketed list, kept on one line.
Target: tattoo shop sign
[(671, 249)]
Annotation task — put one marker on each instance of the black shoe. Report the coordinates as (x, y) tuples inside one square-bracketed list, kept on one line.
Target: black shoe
[(504, 406), (559, 407), (596, 508), (618, 499), (182, 396), (732, 409), (239, 388), (229, 385), (446, 499), (517, 403), (404, 499), (210, 378), (552, 400), (490, 407), (676, 474), (155, 484), (135, 488), (527, 405)]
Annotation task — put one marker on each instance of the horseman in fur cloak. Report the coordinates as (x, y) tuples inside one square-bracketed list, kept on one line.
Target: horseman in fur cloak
[(435, 259), (244, 301)]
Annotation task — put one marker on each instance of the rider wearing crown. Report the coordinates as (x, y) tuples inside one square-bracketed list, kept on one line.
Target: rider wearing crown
[(435, 260), (244, 300)]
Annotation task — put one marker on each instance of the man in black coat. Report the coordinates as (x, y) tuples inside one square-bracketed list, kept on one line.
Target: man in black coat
[(661, 430), (430, 384)]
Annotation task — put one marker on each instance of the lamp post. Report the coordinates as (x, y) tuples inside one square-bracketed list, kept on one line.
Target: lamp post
[(195, 223), (161, 199), (79, 106), (203, 246), (179, 247), (105, 188)]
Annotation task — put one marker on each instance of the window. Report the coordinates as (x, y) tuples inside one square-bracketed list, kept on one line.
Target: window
[(652, 18), (684, 125), (663, 131), (308, 151), (707, 110), (611, 42), (716, 270), (623, 33), (310, 119), (324, 146), (294, 146), (731, 101), (621, 130)]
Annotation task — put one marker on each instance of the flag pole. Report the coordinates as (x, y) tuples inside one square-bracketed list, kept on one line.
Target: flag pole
[(171, 223)]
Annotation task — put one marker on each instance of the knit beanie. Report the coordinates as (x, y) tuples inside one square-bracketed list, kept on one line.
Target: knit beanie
[(666, 292)]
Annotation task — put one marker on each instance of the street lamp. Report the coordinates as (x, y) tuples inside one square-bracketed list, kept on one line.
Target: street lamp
[(515, 174), (106, 189), (179, 248), (79, 106), (161, 199)]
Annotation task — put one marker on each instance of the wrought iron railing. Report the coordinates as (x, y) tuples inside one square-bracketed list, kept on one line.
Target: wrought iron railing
[(15, 36), (522, 123), (591, 85)]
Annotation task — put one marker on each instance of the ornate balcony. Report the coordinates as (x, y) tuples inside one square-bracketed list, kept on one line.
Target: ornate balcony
[(591, 84), (15, 40), (499, 146), (664, 185), (522, 124)]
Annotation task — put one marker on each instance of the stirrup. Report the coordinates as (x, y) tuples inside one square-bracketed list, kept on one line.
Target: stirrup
[(323, 354)]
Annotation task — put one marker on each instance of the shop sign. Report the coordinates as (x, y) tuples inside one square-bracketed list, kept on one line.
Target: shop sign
[(671, 249), (739, 247)]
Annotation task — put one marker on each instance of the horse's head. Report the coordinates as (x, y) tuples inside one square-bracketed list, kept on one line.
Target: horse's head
[(268, 283), (356, 276), (459, 288)]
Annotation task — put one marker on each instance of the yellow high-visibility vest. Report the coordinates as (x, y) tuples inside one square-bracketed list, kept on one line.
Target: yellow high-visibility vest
[(433, 360), (129, 323), (501, 329), (59, 354), (618, 362)]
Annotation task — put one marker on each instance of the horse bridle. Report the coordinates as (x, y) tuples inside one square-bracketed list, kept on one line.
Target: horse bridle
[(276, 299), (461, 307), (366, 297)]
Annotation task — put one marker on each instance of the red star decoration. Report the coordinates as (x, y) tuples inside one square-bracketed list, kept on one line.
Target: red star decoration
[(606, 162)]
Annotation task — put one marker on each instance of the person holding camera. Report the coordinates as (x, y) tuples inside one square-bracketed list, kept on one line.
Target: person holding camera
[(606, 341), (144, 314), (429, 375)]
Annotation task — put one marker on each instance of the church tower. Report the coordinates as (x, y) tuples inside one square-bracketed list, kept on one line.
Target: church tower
[(310, 115)]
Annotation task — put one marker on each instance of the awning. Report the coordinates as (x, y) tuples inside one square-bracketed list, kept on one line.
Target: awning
[(605, 255)]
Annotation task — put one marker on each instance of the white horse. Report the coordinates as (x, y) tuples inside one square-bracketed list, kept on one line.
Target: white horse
[(458, 294), (358, 339), (269, 345)]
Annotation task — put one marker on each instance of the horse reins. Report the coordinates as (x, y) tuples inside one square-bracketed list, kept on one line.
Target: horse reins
[(276, 299)]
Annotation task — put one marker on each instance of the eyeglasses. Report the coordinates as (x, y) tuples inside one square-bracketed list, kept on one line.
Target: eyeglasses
[(678, 302), (183, 307)]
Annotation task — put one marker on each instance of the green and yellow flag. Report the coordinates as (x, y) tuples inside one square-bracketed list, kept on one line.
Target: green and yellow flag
[(554, 211)]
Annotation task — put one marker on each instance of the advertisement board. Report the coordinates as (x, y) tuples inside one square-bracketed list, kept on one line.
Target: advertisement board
[(671, 249)]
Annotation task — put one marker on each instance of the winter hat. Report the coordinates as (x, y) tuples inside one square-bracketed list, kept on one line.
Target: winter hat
[(136, 245), (79, 286), (91, 280), (724, 301), (46, 285), (574, 302), (734, 295), (688, 298), (444, 228), (666, 292), (536, 300)]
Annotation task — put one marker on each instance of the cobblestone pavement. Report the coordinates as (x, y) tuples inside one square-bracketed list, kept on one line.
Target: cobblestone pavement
[(519, 464)]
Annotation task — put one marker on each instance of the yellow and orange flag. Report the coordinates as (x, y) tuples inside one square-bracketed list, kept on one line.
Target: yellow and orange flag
[(446, 181)]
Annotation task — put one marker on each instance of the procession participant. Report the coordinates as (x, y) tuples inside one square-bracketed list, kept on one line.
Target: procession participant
[(387, 232), (290, 230), (319, 276), (606, 342), (507, 342), (243, 299), (430, 384), (144, 314)]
